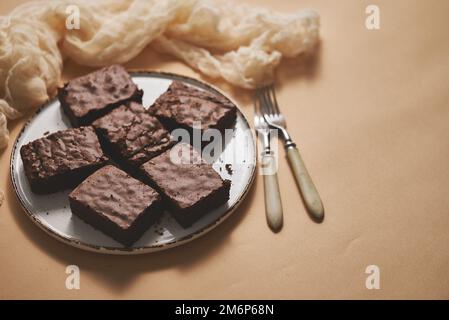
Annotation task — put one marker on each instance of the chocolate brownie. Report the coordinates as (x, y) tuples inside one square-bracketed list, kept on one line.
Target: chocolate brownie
[(89, 97), (190, 187), (132, 135), (115, 203), (61, 160), (182, 105)]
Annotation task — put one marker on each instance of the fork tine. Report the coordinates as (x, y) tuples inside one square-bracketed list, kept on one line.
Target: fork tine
[(274, 99), (266, 105), (257, 102), (272, 103), (267, 101), (255, 98), (260, 100)]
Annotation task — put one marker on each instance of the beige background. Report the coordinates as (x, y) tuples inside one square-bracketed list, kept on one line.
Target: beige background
[(370, 112)]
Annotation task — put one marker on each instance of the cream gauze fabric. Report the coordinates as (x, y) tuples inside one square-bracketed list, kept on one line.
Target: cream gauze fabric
[(239, 43)]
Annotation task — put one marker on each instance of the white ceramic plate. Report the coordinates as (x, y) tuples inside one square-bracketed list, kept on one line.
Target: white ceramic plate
[(52, 212)]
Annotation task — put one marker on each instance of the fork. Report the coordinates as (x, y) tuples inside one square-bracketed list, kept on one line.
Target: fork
[(276, 120), (273, 205)]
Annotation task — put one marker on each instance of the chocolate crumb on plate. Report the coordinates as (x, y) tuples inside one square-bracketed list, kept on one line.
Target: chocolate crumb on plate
[(228, 167)]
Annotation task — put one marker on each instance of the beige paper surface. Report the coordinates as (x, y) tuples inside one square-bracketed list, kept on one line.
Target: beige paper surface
[(370, 113)]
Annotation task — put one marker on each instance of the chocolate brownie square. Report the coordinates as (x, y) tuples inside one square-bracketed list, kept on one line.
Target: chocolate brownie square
[(89, 97), (182, 105), (61, 160), (189, 185), (116, 204), (131, 135)]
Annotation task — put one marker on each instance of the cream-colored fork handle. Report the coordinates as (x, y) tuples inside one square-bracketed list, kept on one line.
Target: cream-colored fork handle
[(273, 205), (309, 192)]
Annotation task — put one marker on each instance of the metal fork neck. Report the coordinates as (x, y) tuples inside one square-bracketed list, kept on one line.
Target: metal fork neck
[(266, 142), (288, 144), (285, 134)]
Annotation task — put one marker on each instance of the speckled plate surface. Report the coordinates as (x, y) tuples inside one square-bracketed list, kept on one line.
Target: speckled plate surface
[(52, 212)]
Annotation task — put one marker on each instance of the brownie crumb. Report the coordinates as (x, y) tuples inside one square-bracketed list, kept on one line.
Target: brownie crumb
[(228, 167)]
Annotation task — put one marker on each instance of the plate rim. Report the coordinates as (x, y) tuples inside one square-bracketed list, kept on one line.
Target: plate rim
[(142, 249)]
